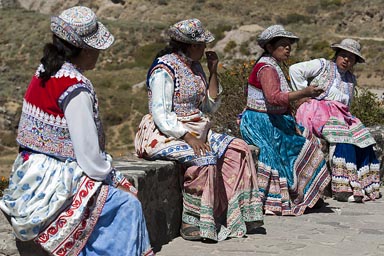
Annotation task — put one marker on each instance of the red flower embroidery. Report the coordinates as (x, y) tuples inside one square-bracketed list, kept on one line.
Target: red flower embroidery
[(25, 156), (153, 143)]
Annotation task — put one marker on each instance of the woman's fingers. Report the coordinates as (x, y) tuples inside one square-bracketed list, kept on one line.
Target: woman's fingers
[(199, 147)]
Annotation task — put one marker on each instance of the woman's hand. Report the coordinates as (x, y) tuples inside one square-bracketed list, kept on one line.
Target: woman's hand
[(198, 146), (308, 92), (312, 91), (298, 103), (212, 61)]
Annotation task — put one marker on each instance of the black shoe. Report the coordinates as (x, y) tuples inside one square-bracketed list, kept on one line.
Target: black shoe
[(319, 204)]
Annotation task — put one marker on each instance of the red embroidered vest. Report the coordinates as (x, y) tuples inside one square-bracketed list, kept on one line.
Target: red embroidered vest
[(255, 95), (43, 127)]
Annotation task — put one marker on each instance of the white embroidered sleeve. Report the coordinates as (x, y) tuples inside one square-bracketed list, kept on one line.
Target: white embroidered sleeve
[(210, 105), (162, 87), (84, 136), (300, 73)]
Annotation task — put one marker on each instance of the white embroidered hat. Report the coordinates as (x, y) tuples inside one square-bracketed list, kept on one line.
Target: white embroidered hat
[(190, 31), (272, 32), (351, 46), (79, 26)]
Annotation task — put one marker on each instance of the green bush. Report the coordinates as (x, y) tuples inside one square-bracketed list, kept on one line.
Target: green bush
[(322, 49), (144, 55), (368, 108), (216, 5), (219, 32), (330, 3), (244, 48), (294, 18)]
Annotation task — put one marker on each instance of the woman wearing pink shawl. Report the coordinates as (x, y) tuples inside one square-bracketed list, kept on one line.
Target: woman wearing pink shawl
[(220, 193), (355, 168)]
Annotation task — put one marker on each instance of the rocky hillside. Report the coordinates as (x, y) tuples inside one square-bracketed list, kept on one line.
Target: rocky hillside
[(318, 23), (139, 26)]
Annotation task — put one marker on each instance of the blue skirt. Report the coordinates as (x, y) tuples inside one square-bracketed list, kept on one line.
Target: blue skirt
[(355, 171), (120, 229), (291, 169)]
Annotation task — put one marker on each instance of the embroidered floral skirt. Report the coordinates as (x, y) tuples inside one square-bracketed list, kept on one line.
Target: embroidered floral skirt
[(64, 211), (355, 168), (220, 193), (291, 170), (355, 171)]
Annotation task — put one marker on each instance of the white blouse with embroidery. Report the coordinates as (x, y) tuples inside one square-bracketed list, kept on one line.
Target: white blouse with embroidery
[(300, 73), (162, 87)]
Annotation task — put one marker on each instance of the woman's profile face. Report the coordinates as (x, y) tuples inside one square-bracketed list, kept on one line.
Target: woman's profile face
[(89, 58), (345, 60), (196, 51), (281, 49)]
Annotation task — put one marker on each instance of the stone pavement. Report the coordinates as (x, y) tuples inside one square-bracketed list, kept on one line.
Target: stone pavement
[(335, 229)]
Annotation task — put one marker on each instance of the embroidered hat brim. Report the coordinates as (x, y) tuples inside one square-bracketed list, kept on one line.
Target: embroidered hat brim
[(101, 40), (360, 58)]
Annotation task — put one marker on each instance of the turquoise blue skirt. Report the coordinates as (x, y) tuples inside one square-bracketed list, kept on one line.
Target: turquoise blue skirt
[(291, 167)]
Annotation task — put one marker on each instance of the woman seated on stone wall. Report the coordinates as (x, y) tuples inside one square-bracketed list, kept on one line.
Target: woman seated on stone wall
[(291, 170), (64, 193), (220, 194), (354, 166)]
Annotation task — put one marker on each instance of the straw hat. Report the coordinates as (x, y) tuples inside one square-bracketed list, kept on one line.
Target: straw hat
[(272, 32), (79, 26), (351, 46), (190, 31)]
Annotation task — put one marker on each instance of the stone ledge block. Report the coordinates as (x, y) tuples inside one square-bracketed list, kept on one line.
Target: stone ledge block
[(159, 184)]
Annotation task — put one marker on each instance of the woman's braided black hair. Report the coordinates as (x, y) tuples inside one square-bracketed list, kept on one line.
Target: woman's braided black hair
[(55, 54)]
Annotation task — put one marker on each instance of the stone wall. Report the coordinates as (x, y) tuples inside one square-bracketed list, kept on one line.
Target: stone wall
[(159, 184), (378, 133)]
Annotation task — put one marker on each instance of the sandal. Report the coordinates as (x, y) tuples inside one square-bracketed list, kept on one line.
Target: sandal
[(187, 231), (269, 212), (319, 204)]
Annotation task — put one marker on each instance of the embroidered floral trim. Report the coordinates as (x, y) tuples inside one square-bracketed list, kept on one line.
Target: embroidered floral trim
[(71, 229), (43, 132), (37, 113), (66, 70), (190, 88)]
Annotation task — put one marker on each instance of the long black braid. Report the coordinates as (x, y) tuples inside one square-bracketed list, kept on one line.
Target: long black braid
[(55, 54)]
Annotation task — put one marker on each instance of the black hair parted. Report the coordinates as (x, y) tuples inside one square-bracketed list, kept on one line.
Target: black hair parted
[(274, 41), (54, 56)]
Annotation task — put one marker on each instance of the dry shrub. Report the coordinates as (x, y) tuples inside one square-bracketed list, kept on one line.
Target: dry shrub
[(233, 79)]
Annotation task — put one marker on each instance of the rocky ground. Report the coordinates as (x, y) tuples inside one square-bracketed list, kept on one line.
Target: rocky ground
[(336, 229)]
